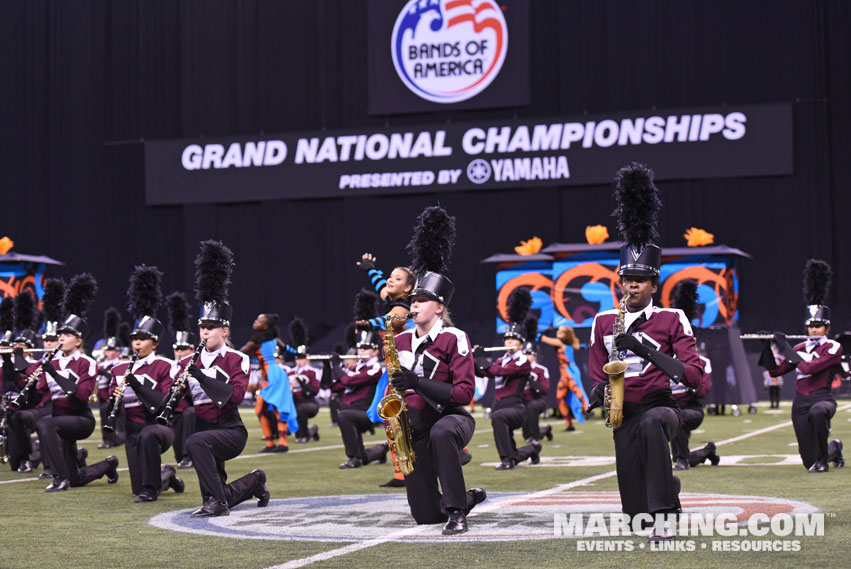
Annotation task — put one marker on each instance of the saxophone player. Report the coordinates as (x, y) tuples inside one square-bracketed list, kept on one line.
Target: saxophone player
[(651, 340), (437, 380)]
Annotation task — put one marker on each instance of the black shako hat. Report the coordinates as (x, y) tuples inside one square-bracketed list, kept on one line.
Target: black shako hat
[(144, 299), (213, 268), (638, 207), (81, 294), (431, 249), (817, 281)]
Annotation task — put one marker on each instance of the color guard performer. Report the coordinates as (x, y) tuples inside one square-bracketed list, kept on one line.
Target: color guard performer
[(657, 344), (437, 380), (535, 394), (813, 361), (684, 297), (183, 421), (69, 379), (216, 384), (511, 375), (393, 291), (141, 391)]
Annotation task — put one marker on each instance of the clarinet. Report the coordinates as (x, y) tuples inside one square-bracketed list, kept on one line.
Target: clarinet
[(117, 399), (4, 428), (178, 387), (32, 379)]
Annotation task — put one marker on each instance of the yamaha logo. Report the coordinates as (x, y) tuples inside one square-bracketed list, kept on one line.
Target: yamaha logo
[(447, 51)]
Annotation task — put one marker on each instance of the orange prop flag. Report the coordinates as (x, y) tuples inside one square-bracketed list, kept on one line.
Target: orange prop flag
[(596, 234), (6, 245), (698, 237), (529, 247)]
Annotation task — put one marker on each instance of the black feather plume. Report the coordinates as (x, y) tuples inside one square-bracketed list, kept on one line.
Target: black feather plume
[(298, 332), (124, 334), (53, 300), (817, 278), (684, 297), (111, 317), (339, 349), (178, 311), (350, 336), (519, 303), (7, 314), (366, 305), (24, 311), (144, 295), (81, 294), (432, 242), (531, 328), (213, 268), (638, 205)]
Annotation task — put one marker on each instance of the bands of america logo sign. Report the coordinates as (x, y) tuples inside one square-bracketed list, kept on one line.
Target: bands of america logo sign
[(503, 517), (446, 51)]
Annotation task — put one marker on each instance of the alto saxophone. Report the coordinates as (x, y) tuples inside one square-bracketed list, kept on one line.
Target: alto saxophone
[(392, 408), (615, 369)]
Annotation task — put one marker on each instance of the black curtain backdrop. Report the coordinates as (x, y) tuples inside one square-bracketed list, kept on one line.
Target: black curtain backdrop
[(85, 82)]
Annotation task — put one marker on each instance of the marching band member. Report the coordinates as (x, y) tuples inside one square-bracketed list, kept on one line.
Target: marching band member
[(183, 421), (111, 358), (69, 379), (304, 384), (357, 387), (437, 380), (216, 384), (535, 394), (511, 375), (144, 387), (21, 422), (658, 345), (7, 321), (813, 361), (684, 297)]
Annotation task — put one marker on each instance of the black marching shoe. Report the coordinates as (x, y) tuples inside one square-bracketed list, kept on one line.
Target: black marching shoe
[(547, 431), (46, 475), (819, 466), (105, 444), (840, 461), (352, 463), (507, 464), (456, 524), (25, 466), (713, 456), (112, 471), (382, 458), (185, 463), (174, 482), (570, 429), (681, 464), (281, 448), (269, 449), (393, 483), (479, 495), (260, 491), (302, 440), (212, 508), (146, 495), (82, 455), (58, 485), (535, 457), (313, 432)]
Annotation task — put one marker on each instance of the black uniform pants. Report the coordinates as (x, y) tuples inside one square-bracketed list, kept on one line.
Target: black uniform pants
[(643, 459), (209, 447), (509, 414), (22, 423), (306, 409), (353, 423), (774, 396), (437, 439), (184, 426), (692, 417), (58, 438), (144, 446), (531, 426), (811, 415), (334, 407)]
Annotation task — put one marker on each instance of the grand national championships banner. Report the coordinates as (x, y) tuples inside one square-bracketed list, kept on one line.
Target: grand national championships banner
[(730, 141)]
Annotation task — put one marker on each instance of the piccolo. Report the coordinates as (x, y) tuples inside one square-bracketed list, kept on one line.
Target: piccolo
[(26, 351), (497, 349), (771, 337)]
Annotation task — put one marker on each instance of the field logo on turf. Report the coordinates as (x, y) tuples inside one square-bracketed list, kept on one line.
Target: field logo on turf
[(509, 517), (446, 51)]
